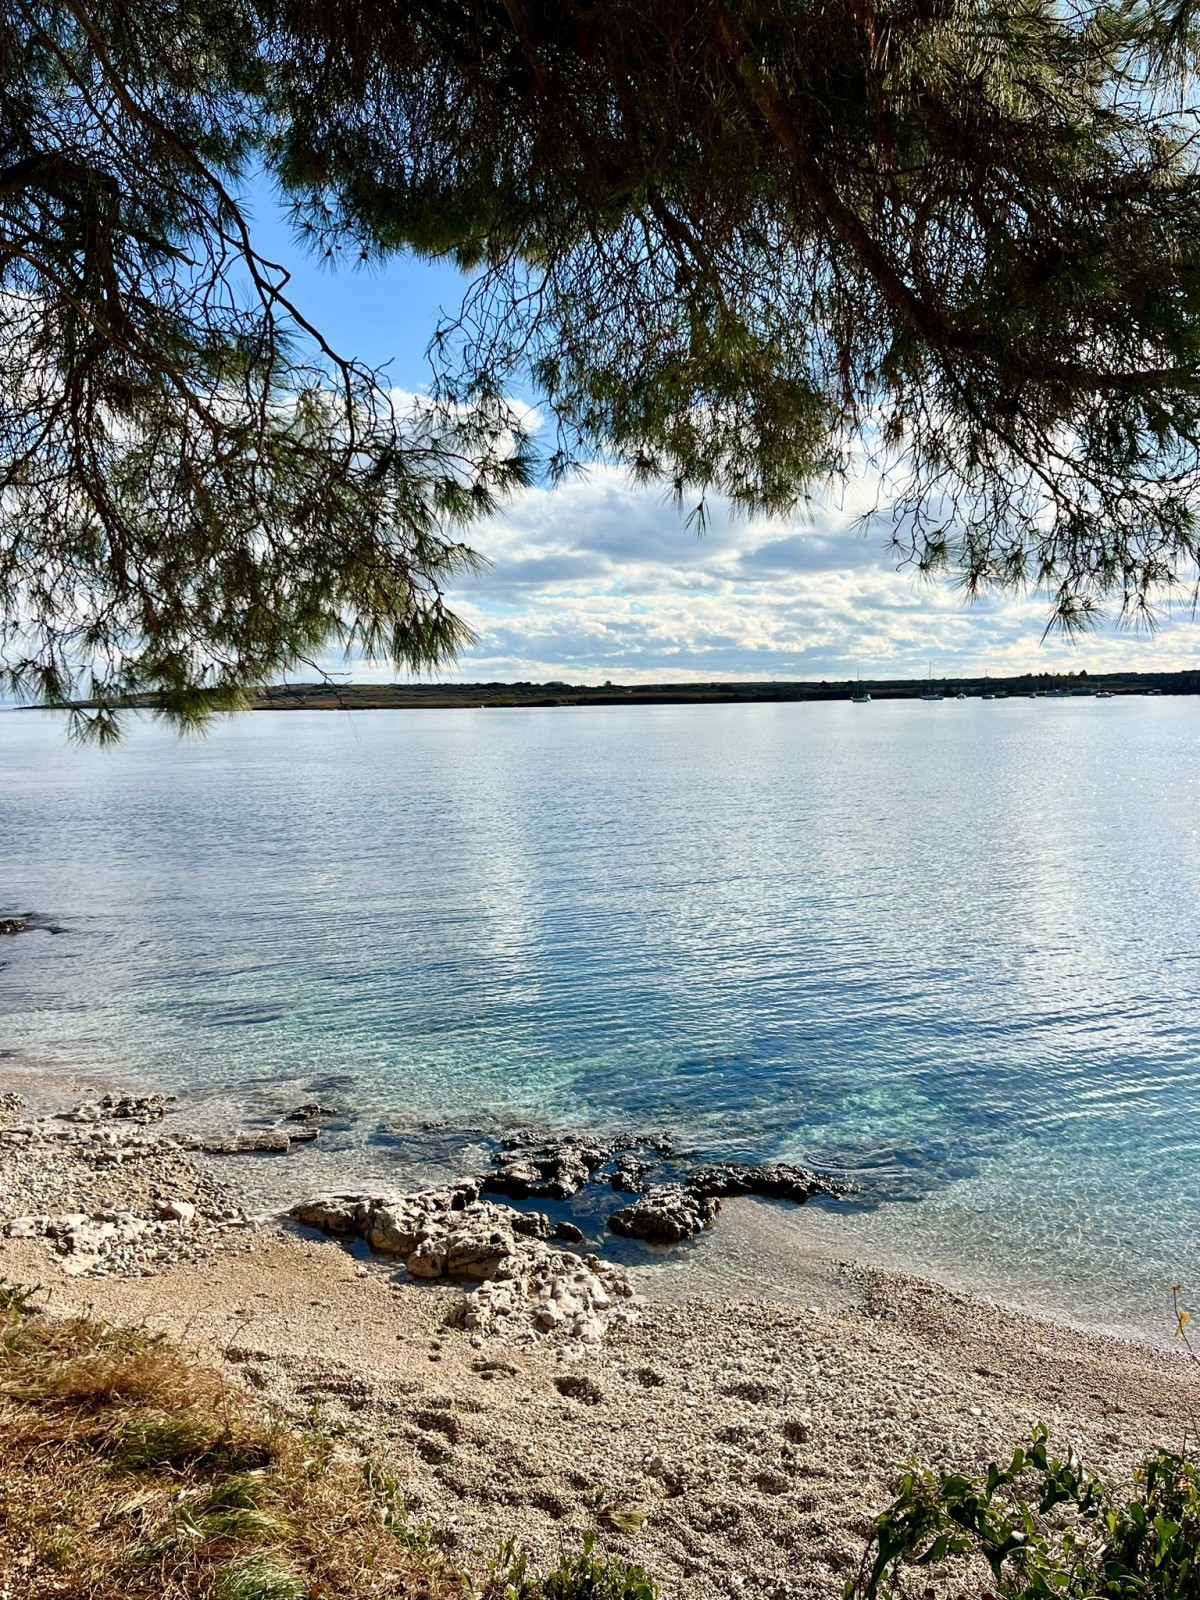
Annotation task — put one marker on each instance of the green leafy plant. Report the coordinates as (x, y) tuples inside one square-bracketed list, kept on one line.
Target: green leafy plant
[(17, 1297), (590, 1575), (388, 1497), (1044, 1526)]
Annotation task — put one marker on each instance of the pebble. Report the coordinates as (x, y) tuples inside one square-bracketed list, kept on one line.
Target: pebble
[(150, 1208)]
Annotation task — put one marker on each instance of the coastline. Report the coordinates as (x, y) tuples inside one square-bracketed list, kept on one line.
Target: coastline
[(758, 1248), (1021, 1084), (751, 1438)]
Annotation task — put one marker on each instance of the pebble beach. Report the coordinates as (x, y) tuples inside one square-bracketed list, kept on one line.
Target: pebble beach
[(529, 1389)]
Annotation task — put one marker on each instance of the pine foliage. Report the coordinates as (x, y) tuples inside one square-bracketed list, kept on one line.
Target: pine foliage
[(748, 244), (743, 246)]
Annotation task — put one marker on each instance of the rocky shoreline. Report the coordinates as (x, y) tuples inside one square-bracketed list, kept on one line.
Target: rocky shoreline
[(527, 1288), (527, 1276), (520, 1386), (109, 1191), (665, 1212)]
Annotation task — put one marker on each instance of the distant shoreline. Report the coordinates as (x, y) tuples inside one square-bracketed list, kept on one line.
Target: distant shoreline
[(331, 696), (441, 696)]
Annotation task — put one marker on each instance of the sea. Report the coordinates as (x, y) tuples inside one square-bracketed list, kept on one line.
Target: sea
[(948, 951)]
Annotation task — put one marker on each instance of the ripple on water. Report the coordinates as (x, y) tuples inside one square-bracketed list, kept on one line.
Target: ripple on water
[(953, 955)]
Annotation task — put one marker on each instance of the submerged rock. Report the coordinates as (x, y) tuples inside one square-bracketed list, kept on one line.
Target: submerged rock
[(530, 1166), (122, 1108), (271, 1141), (311, 1111), (774, 1180), (668, 1211), (666, 1214), (554, 1169)]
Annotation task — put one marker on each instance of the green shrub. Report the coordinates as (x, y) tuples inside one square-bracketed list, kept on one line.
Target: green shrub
[(17, 1297), (1045, 1527), (591, 1575)]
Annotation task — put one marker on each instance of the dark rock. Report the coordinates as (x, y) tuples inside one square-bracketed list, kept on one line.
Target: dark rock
[(666, 1214), (776, 1181), (311, 1111), (302, 1135), (530, 1166), (628, 1175), (661, 1143), (568, 1232), (553, 1170), (12, 925)]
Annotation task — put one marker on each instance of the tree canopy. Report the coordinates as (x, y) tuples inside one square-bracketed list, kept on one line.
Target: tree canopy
[(196, 492), (742, 246)]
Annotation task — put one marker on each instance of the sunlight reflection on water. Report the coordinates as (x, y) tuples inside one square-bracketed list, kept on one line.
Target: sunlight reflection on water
[(950, 948)]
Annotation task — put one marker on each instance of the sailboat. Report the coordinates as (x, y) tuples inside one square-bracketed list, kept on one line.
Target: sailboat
[(929, 692), (860, 697)]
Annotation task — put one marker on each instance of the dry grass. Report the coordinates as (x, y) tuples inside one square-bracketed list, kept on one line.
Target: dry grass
[(129, 1472)]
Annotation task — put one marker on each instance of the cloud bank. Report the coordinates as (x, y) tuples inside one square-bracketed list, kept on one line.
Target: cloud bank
[(601, 578)]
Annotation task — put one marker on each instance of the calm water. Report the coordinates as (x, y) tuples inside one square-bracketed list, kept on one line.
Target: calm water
[(951, 948)]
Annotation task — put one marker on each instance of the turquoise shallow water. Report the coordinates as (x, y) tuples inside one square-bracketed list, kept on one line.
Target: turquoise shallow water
[(952, 948)]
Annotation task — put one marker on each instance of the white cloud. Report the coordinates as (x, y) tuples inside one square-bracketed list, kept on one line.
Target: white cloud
[(601, 578)]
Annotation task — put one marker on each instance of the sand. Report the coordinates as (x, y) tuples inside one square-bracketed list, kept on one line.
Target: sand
[(750, 1440)]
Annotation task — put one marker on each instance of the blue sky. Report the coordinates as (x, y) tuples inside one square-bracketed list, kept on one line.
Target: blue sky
[(601, 579)]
